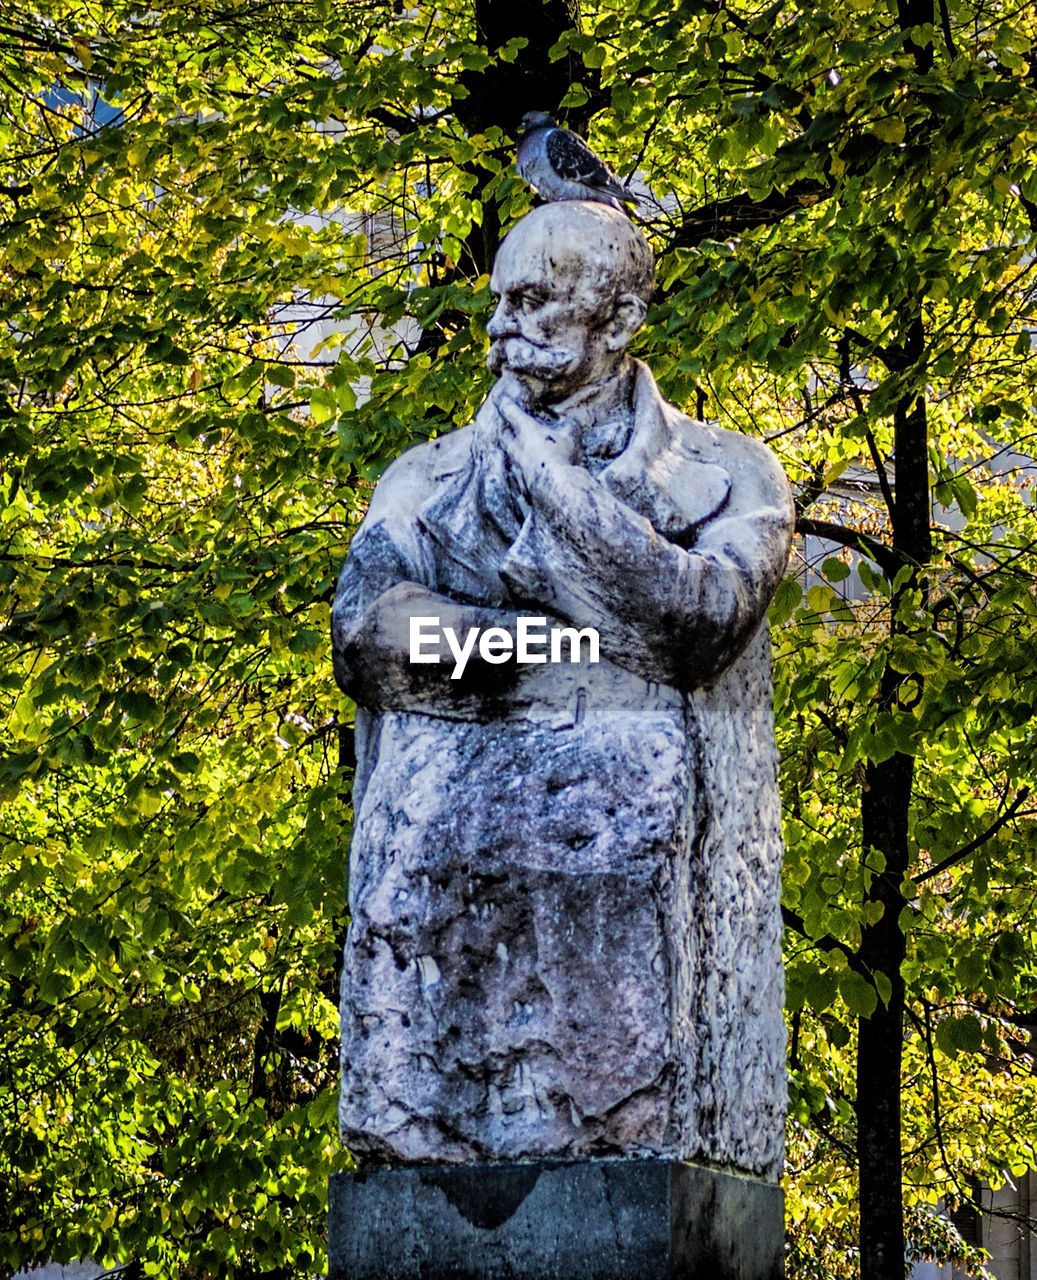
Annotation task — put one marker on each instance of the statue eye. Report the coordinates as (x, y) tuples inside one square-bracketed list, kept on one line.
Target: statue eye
[(526, 299)]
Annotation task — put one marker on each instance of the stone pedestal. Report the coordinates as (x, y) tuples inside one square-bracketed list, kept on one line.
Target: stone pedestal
[(585, 1220)]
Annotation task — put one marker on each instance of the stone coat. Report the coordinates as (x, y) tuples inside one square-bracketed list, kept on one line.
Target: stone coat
[(565, 930)]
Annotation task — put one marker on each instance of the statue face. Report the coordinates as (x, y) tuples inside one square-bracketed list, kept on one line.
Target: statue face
[(555, 325)]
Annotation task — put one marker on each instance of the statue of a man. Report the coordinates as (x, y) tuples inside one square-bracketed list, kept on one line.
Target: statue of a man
[(564, 936)]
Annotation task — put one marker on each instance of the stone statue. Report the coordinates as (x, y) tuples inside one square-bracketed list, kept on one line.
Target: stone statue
[(564, 941)]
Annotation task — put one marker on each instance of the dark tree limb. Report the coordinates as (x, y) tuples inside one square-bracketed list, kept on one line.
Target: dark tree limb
[(945, 24), (889, 560), (880, 470), (502, 92), (721, 219), (403, 124), (794, 921)]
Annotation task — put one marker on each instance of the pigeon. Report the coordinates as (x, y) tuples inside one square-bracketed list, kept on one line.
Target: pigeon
[(559, 165)]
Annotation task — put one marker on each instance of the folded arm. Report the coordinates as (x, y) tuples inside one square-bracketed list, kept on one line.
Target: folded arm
[(675, 615), (372, 640)]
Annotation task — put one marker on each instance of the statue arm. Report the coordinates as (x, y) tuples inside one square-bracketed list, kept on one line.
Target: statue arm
[(675, 615), (375, 599)]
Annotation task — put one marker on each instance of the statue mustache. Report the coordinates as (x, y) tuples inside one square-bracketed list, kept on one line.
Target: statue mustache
[(521, 356)]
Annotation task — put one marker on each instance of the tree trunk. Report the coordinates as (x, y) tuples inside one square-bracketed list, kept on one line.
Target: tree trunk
[(885, 826), (884, 809), (502, 93)]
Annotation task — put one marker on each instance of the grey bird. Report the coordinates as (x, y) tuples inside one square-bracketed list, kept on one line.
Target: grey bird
[(559, 165)]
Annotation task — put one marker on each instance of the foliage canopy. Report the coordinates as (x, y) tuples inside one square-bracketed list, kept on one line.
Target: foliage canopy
[(243, 263)]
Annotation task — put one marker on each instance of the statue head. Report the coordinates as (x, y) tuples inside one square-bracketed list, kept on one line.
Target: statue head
[(573, 279)]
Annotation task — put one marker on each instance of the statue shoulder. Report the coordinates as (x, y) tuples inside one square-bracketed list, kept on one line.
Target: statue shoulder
[(411, 478), (756, 474)]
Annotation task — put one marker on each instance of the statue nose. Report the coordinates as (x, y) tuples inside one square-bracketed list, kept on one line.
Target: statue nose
[(502, 322)]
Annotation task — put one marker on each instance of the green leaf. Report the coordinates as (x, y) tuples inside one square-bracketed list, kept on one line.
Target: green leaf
[(908, 656), (891, 130), (819, 989), (857, 994), (306, 642), (871, 580), (323, 404), (960, 1034), (786, 599)]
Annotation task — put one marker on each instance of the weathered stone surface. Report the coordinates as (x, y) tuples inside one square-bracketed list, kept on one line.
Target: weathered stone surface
[(564, 894), (578, 926), (595, 1220)]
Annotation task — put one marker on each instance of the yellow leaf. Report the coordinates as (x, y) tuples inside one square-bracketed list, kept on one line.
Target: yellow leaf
[(86, 57), (23, 721)]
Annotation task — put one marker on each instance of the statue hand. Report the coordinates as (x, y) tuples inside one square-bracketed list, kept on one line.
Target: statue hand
[(534, 447)]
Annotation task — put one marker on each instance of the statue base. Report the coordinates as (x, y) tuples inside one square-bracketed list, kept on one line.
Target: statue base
[(585, 1220)]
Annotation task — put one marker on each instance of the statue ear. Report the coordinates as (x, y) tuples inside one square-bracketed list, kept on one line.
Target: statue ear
[(627, 318)]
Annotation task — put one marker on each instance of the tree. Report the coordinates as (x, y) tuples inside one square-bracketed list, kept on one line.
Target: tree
[(843, 228)]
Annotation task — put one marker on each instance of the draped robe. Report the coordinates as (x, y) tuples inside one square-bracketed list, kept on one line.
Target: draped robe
[(564, 935)]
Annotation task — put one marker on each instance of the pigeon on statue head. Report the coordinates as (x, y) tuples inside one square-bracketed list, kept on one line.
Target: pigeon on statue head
[(559, 165)]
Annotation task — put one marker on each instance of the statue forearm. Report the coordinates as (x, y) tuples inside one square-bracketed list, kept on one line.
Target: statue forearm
[(412, 649), (673, 615)]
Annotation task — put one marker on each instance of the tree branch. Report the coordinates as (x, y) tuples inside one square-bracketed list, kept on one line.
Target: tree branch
[(880, 470), (794, 921), (945, 23), (885, 557), (980, 840), (721, 219), (498, 94)]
